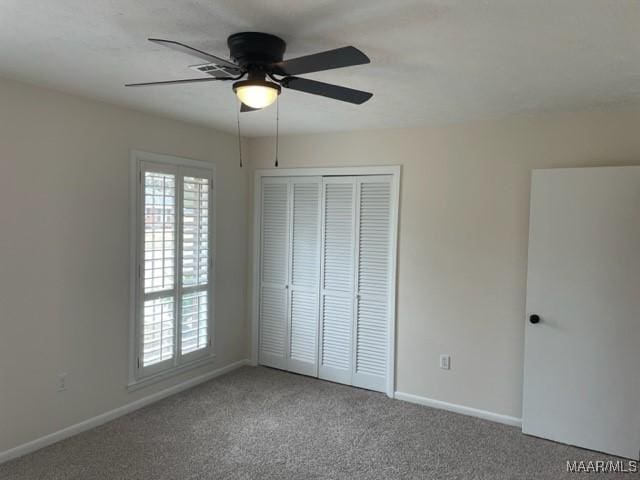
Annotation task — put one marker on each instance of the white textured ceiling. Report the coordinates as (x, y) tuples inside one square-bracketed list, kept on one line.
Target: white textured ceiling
[(433, 62)]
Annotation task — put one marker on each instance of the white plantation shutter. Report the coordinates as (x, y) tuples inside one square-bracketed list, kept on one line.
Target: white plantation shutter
[(159, 256), (195, 310), (373, 266), (157, 330), (174, 248), (305, 274), (274, 272), (336, 309), (195, 231), (194, 261)]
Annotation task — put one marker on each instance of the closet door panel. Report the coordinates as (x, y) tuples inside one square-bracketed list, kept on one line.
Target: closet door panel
[(337, 288), (337, 315), (273, 331), (304, 332), (373, 267), (274, 272), (305, 275)]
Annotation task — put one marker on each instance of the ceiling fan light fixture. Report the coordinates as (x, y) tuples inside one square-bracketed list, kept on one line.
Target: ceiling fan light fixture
[(257, 93)]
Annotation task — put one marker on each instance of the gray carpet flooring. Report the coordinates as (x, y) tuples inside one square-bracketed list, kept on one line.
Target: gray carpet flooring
[(258, 423)]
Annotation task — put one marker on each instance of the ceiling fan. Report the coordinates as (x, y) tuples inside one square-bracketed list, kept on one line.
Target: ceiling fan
[(259, 56)]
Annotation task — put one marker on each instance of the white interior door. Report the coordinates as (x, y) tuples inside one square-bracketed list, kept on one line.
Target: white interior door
[(582, 359), (337, 281), (304, 283), (274, 272), (373, 265)]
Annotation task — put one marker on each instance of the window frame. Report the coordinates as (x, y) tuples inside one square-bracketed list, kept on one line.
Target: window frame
[(140, 376)]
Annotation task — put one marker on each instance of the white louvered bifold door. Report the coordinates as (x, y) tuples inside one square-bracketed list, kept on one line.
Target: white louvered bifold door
[(337, 281), (373, 281), (304, 280), (274, 272)]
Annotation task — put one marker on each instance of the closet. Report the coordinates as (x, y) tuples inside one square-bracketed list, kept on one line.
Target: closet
[(326, 276)]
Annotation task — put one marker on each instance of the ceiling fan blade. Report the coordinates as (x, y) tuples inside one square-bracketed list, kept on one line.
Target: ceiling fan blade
[(181, 47), (247, 108), (173, 82), (338, 58), (326, 90)]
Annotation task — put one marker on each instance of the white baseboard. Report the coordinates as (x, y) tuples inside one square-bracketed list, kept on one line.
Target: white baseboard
[(115, 413), (452, 407)]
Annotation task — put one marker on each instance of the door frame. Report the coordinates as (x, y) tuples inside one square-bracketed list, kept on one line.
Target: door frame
[(394, 171)]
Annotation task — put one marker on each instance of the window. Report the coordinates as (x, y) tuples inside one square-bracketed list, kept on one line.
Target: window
[(174, 264)]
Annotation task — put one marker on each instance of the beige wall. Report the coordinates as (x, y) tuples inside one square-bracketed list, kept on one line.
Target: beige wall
[(64, 253), (463, 236)]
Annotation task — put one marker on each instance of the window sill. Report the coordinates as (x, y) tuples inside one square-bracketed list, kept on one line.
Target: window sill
[(143, 382)]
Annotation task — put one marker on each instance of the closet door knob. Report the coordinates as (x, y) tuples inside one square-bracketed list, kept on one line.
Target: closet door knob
[(534, 319)]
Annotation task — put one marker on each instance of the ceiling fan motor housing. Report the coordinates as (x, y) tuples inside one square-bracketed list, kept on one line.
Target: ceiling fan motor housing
[(254, 50)]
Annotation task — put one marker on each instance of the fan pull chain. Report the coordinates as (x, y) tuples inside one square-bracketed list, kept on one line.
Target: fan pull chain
[(239, 137), (277, 128)]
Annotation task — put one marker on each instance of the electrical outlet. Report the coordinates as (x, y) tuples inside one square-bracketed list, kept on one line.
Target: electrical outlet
[(62, 382), (445, 362)]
